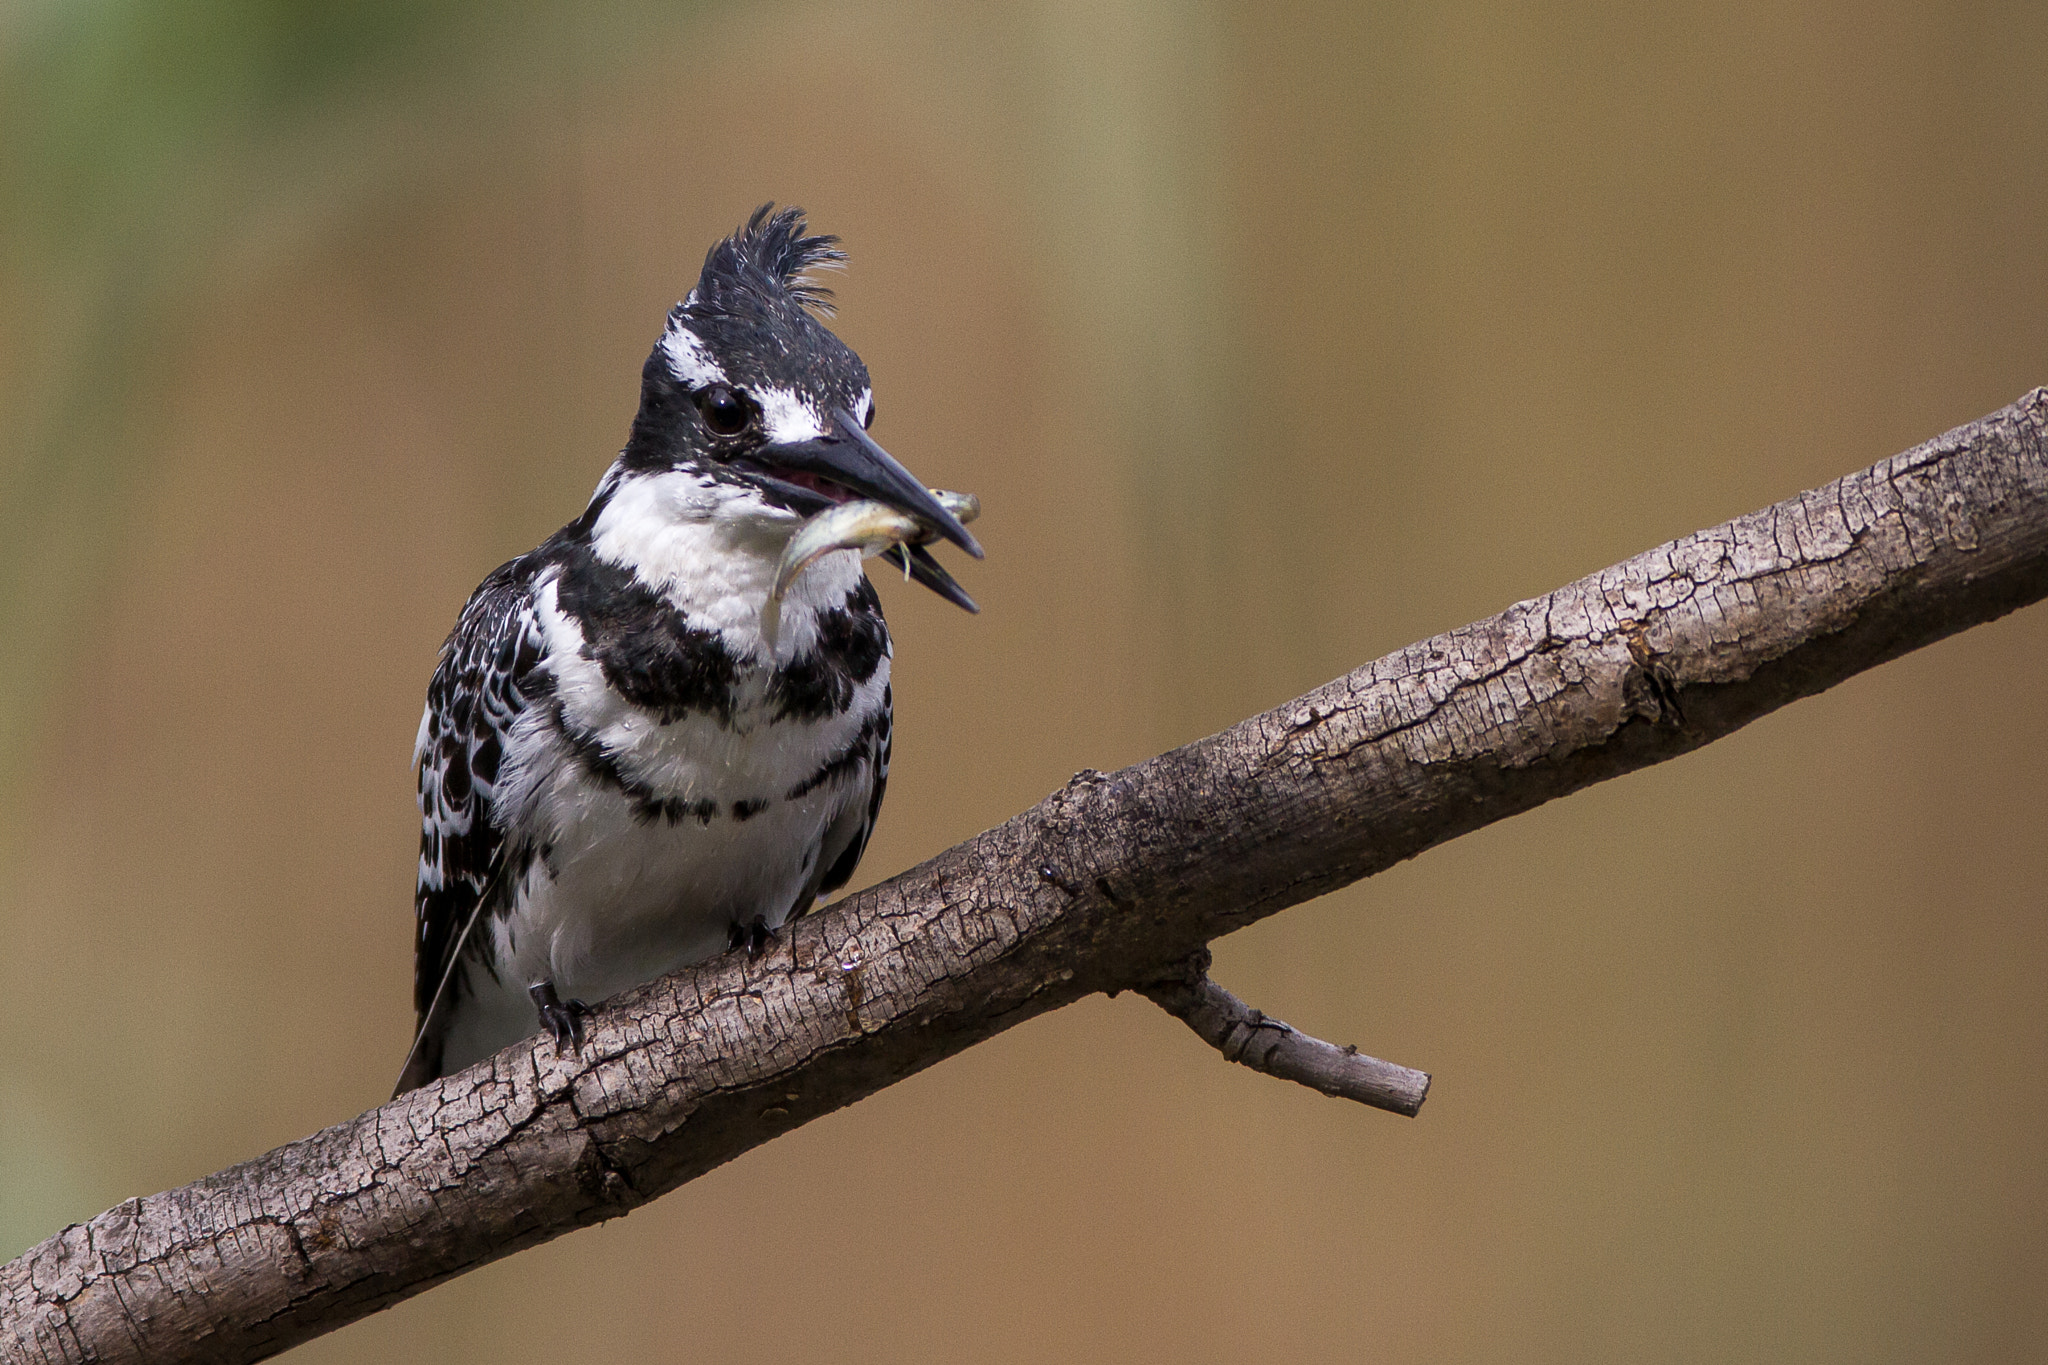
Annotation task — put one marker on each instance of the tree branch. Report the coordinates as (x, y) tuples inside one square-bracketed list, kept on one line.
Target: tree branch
[(1252, 1038), (1107, 884)]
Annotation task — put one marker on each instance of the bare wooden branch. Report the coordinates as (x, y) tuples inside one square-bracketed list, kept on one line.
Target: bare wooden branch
[(1105, 885), (1255, 1039)]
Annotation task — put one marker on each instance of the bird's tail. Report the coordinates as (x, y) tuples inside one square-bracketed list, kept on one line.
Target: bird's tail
[(423, 1062)]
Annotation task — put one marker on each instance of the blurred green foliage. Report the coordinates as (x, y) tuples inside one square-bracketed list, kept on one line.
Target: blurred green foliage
[(139, 138)]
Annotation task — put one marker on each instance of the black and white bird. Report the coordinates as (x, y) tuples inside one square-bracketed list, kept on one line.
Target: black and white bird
[(620, 770)]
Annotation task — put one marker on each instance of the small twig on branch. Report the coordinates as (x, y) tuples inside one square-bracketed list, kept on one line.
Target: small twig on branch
[(1252, 1038), (1108, 884)]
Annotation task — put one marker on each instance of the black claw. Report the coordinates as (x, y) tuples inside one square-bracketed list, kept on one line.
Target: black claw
[(562, 1018), (1648, 688), (754, 937)]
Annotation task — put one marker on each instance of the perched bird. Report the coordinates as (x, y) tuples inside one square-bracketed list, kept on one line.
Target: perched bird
[(622, 770)]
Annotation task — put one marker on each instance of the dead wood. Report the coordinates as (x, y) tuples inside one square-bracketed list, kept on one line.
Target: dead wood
[(1113, 882)]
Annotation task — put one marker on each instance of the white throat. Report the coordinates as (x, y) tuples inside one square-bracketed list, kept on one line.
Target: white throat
[(711, 549)]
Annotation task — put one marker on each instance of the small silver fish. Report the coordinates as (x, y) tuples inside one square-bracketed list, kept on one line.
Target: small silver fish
[(870, 527)]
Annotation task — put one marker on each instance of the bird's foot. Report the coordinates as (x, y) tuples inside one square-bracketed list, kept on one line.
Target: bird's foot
[(754, 937), (562, 1018)]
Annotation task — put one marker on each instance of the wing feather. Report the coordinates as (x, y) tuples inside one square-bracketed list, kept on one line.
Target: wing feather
[(484, 681)]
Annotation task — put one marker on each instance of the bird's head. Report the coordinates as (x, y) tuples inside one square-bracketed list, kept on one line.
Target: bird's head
[(747, 387)]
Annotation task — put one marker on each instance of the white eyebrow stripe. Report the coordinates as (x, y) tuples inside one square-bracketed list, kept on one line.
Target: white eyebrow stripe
[(867, 406), (688, 360), (786, 417)]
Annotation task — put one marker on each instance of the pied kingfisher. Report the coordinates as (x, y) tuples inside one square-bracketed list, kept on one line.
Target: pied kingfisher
[(621, 771)]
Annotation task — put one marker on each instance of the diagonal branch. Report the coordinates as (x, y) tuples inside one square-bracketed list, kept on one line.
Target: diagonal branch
[(1108, 884)]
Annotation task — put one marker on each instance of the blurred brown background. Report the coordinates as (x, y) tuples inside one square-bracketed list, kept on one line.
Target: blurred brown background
[(1273, 337)]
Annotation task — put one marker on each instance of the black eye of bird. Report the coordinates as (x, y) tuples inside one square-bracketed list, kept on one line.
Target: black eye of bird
[(724, 411)]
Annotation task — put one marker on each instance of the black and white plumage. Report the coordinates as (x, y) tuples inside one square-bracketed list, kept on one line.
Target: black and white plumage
[(620, 771)]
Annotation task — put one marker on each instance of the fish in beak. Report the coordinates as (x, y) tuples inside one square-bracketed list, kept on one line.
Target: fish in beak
[(862, 499), (875, 528)]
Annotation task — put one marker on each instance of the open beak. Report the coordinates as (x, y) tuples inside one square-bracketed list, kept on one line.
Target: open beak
[(849, 458), (917, 561), (875, 528)]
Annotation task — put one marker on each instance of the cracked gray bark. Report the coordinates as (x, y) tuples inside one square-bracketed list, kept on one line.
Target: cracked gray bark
[(1111, 883)]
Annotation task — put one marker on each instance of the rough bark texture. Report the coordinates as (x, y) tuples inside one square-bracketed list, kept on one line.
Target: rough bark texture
[(1107, 884)]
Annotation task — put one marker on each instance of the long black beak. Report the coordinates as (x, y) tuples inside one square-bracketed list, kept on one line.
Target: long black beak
[(850, 458)]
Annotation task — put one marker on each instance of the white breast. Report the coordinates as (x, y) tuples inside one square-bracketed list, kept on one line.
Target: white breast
[(621, 898)]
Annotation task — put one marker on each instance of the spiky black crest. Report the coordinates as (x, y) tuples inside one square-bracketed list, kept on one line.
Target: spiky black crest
[(768, 257)]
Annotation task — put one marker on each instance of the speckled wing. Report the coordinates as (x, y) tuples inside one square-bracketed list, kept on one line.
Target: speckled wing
[(483, 683)]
